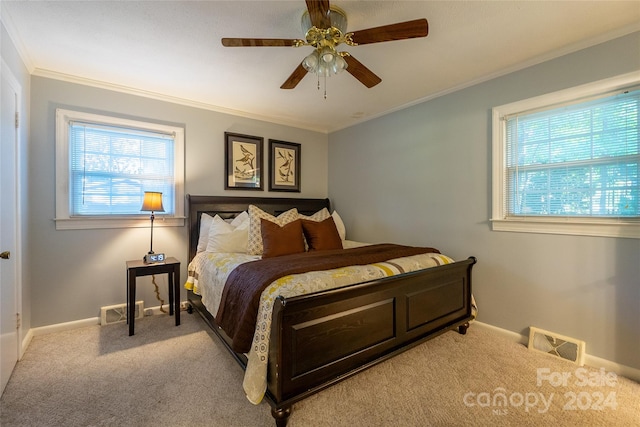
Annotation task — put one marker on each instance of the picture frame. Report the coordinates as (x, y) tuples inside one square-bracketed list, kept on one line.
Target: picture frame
[(243, 162), (284, 166)]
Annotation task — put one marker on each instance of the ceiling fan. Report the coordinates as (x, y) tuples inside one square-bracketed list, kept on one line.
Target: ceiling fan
[(325, 28)]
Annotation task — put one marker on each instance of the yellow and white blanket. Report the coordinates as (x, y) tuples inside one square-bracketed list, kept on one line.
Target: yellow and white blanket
[(208, 272)]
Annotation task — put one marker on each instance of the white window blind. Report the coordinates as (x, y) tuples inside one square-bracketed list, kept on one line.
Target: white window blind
[(104, 164), (111, 167), (578, 160)]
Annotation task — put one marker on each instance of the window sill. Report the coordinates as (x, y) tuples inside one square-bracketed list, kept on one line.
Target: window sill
[(122, 222), (629, 229)]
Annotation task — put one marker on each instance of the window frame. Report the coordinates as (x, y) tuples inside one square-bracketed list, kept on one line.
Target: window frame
[(63, 218), (623, 227)]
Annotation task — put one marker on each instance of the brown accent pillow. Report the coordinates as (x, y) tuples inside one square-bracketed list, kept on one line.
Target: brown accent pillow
[(322, 235), (278, 241)]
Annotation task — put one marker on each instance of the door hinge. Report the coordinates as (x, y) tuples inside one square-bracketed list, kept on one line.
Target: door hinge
[(17, 120), (17, 320)]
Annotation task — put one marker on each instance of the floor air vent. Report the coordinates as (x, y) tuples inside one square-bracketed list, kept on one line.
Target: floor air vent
[(118, 313), (557, 345)]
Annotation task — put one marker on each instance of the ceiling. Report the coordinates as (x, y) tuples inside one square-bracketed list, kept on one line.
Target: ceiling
[(171, 50)]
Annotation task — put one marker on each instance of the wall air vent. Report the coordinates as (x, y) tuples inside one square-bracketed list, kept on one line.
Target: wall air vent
[(557, 345), (118, 313)]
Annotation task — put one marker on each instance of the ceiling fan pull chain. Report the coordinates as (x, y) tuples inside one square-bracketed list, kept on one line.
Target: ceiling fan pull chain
[(325, 86)]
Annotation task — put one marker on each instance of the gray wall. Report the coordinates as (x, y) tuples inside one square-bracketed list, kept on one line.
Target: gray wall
[(75, 272), (423, 176)]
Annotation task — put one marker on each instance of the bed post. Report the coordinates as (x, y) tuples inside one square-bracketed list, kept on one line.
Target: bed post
[(462, 329), (281, 415)]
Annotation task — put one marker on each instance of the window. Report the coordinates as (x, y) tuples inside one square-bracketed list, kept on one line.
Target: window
[(105, 164), (569, 162)]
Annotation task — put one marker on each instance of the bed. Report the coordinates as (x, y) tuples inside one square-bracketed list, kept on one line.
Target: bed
[(317, 339)]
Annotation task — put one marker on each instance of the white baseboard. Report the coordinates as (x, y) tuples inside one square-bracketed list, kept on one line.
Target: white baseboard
[(58, 327), (609, 366), (589, 360), (25, 342), (68, 326), (513, 336)]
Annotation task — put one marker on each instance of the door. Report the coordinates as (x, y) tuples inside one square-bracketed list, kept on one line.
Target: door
[(9, 96)]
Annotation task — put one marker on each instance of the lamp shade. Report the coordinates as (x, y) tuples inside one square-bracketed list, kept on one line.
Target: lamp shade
[(152, 202)]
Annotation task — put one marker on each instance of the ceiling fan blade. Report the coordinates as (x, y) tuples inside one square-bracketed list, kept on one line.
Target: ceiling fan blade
[(399, 31), (295, 77), (231, 42), (360, 72), (319, 13)]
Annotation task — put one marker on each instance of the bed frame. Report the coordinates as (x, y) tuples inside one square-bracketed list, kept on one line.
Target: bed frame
[(322, 338)]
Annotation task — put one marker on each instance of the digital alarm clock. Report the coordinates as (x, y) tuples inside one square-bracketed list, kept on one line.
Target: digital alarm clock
[(153, 258)]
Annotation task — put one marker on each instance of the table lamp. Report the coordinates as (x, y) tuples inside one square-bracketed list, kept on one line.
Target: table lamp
[(152, 203)]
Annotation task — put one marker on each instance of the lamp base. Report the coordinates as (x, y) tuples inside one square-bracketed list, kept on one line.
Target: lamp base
[(152, 258)]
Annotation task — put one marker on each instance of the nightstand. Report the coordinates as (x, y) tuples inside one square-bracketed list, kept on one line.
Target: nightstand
[(137, 268)]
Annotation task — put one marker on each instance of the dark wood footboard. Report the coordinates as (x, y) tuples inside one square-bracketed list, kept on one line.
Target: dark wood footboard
[(322, 338)]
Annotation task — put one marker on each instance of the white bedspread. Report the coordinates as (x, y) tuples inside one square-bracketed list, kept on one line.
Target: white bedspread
[(208, 272)]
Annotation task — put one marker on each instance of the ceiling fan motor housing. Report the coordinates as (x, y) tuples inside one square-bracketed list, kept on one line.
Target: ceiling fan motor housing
[(336, 15)]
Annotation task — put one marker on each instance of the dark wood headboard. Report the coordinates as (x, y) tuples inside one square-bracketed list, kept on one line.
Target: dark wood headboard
[(229, 207)]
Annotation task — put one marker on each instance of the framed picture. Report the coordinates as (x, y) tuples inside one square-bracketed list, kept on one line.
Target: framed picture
[(243, 164), (284, 166)]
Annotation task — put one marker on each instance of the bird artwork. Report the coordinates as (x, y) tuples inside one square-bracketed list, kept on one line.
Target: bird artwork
[(286, 169), (246, 170)]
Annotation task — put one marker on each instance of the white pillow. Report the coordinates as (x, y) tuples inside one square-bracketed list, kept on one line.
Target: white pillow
[(224, 237), (203, 237), (242, 217), (255, 246), (342, 231)]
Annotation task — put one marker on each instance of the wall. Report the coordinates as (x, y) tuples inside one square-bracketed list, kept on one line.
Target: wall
[(11, 57), (75, 272), (423, 176)]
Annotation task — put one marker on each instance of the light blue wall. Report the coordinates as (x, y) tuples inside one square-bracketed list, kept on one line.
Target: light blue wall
[(423, 176), (78, 271)]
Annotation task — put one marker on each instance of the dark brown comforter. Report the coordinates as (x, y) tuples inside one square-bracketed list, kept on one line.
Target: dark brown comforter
[(241, 295)]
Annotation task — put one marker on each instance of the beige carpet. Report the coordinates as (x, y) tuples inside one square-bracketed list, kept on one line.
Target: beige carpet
[(182, 376)]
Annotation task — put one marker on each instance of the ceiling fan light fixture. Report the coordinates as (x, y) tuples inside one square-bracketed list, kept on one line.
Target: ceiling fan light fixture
[(310, 62), (324, 62), (339, 64), (328, 54), (323, 71)]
